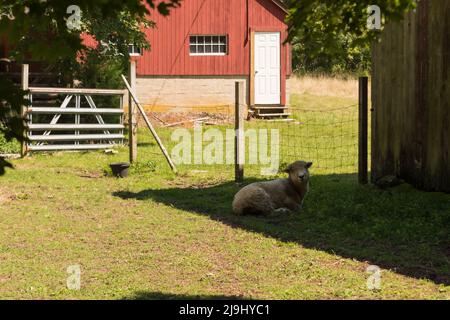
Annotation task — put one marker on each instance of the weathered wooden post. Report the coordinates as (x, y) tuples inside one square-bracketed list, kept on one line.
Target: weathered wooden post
[(132, 114), (149, 125), (23, 111), (363, 131), (239, 150)]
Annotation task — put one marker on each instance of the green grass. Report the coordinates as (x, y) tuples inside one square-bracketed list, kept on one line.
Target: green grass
[(8, 147), (157, 235)]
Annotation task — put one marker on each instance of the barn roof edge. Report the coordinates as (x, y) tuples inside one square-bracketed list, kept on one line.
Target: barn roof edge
[(281, 5)]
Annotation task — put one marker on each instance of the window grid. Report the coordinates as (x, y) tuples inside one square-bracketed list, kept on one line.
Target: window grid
[(204, 45), (134, 50)]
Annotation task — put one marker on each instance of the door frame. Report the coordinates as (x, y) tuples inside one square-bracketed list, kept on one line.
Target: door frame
[(253, 31)]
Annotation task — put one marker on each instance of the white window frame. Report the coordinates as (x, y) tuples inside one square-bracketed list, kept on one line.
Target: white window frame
[(211, 44), (136, 51)]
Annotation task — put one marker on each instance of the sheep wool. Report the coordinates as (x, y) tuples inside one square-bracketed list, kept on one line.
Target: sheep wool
[(266, 198)]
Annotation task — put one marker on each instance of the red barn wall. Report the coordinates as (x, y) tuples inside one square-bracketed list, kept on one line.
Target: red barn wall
[(169, 54)]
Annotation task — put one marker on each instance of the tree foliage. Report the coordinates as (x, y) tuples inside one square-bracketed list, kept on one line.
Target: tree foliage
[(333, 34), (348, 59)]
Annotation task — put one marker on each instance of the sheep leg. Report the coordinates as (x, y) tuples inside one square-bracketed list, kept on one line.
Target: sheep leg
[(293, 206), (281, 211)]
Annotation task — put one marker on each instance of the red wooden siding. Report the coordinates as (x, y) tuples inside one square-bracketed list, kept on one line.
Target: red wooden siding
[(169, 54)]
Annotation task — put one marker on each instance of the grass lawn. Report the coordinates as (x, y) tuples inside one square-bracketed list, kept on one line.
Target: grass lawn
[(157, 235)]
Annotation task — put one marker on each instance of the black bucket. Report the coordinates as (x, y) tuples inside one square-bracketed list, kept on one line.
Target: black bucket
[(120, 169)]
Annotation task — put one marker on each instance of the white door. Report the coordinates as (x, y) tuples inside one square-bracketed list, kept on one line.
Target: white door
[(267, 68)]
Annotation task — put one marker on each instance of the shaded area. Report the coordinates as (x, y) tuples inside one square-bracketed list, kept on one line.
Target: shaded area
[(400, 229), (146, 144), (412, 120), (148, 295)]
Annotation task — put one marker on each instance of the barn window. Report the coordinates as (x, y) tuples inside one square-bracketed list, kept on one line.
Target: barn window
[(134, 50), (208, 45)]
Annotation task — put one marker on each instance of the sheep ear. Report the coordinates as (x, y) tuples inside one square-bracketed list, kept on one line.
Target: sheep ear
[(309, 165), (287, 169)]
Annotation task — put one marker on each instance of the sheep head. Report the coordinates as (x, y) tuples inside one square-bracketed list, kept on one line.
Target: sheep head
[(299, 172)]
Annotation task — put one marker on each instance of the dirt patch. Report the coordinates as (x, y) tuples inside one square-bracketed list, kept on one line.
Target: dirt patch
[(5, 196), (186, 119), (197, 185), (91, 174)]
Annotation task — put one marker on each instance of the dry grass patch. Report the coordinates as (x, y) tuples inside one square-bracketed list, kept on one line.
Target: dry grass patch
[(324, 86), (5, 196)]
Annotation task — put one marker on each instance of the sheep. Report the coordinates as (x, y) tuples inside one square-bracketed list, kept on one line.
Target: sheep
[(276, 196)]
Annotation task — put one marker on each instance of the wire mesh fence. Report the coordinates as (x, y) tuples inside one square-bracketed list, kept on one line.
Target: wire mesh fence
[(326, 136), (204, 140)]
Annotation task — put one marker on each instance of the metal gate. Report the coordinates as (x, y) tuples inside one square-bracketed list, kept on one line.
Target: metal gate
[(77, 123)]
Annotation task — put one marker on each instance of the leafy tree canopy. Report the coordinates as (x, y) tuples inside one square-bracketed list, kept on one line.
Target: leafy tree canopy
[(36, 20), (334, 33)]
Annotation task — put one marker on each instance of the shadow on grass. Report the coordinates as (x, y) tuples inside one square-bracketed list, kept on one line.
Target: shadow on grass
[(147, 295), (146, 144), (400, 229)]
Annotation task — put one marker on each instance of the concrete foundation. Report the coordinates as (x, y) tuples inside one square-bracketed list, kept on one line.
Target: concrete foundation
[(193, 93)]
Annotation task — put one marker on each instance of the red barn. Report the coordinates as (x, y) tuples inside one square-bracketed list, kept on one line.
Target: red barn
[(203, 47)]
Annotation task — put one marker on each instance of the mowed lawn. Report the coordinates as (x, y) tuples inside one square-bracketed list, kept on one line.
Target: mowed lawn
[(160, 235)]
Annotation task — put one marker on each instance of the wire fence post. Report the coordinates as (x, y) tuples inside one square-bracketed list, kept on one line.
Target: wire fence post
[(363, 131), (239, 151), (149, 125), (23, 111), (132, 115)]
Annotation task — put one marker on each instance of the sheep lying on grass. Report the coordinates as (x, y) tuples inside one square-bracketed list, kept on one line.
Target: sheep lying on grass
[(276, 196)]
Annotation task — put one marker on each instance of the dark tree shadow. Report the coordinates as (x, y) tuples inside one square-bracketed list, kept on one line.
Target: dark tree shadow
[(146, 144), (400, 229), (148, 295)]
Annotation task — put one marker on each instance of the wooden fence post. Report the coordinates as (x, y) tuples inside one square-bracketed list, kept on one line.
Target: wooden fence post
[(23, 111), (132, 114), (239, 150), (149, 125), (363, 131)]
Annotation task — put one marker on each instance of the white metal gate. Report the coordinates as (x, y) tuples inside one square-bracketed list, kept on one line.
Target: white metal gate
[(63, 135)]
